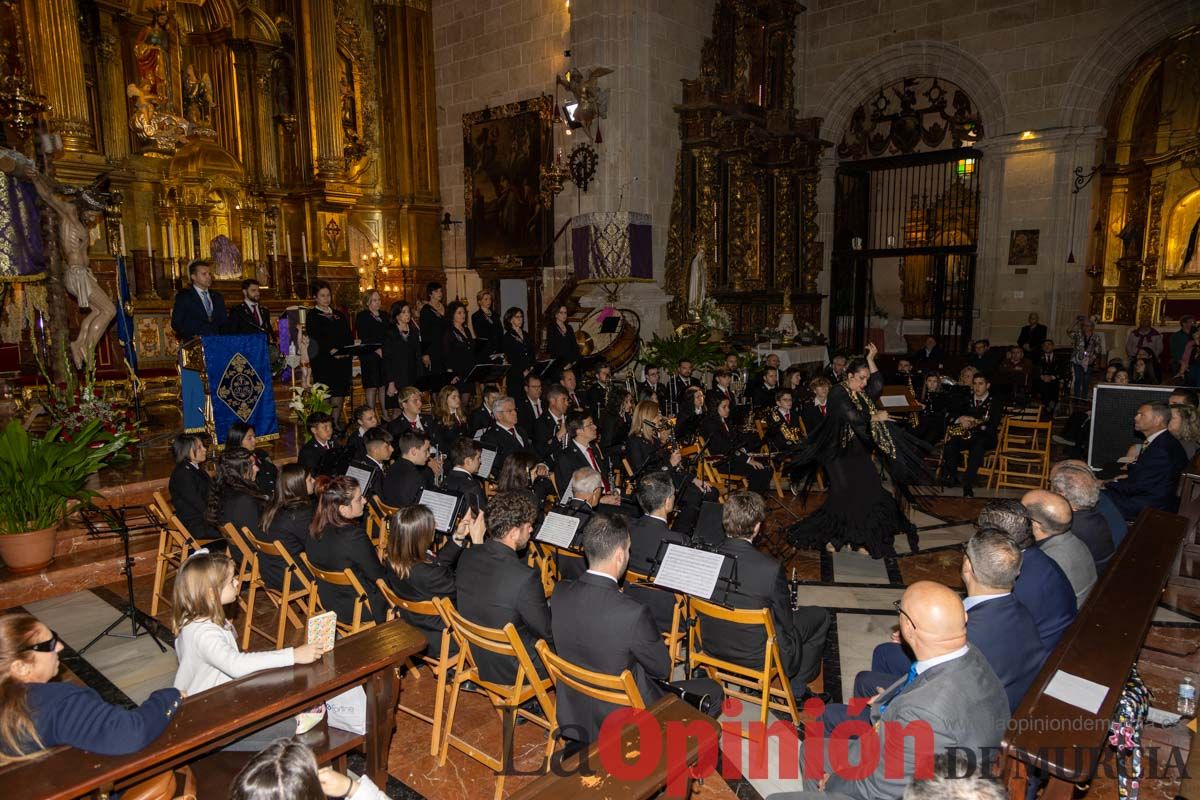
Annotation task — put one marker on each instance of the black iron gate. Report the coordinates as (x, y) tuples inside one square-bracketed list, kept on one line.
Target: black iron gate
[(922, 209)]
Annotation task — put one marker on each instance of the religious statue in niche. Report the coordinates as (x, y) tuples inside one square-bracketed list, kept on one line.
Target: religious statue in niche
[(226, 259), (197, 97), (159, 130), (354, 146), (150, 56), (77, 230), (1191, 255)]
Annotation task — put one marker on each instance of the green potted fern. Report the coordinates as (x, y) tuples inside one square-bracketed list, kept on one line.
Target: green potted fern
[(41, 480)]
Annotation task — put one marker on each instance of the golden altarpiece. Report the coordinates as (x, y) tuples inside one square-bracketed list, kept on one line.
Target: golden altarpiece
[(283, 140), (744, 217), (1145, 245)]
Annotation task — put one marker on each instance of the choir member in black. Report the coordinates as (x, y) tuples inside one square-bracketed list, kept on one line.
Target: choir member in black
[(575, 399), (691, 414), (286, 520), (250, 316), (522, 473), (858, 512), (784, 431), (597, 393), (763, 394), (363, 418), (449, 423), (680, 382), (377, 452), (371, 327), (315, 453), (410, 417), (646, 451), (735, 446), (817, 409), (653, 389), (465, 457), (722, 386), (560, 338), (481, 418), (931, 419), (486, 326), (1047, 376), (614, 422), (904, 375), (241, 434), (415, 573), (550, 429), (530, 405), (328, 332), (190, 486), (973, 426), (403, 361), (337, 540), (459, 346), (235, 497), (412, 472), (517, 352), (433, 327)]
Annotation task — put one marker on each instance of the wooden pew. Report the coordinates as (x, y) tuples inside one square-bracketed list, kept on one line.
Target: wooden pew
[(1187, 565), (214, 719), (1102, 645), (597, 784)]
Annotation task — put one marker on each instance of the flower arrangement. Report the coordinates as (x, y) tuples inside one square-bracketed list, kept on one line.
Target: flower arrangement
[(306, 402), (807, 333), (711, 316), (74, 405)]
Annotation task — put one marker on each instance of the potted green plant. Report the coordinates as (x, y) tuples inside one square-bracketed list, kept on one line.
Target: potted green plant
[(691, 346), (41, 479)]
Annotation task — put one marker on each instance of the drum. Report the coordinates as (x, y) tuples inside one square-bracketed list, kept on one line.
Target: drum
[(619, 347)]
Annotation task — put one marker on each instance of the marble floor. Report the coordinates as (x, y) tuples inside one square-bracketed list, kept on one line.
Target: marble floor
[(857, 590)]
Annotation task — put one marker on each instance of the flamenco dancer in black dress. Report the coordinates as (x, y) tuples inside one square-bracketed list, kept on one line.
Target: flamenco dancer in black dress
[(858, 512)]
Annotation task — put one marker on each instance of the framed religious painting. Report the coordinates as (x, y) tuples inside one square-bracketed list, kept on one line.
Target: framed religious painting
[(505, 150)]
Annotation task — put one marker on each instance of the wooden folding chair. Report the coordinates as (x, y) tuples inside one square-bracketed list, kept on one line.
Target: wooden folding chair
[(620, 690), (345, 577), (1023, 457), (675, 637), (283, 598), (440, 664), (505, 698), (723, 482), (175, 544), (378, 515), (737, 678), (776, 464), (247, 568)]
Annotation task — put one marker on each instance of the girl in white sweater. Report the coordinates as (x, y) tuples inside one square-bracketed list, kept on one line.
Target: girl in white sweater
[(206, 644)]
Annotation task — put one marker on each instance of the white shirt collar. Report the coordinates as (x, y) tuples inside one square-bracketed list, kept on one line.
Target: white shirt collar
[(655, 516), (978, 400), (974, 600), (463, 471), (586, 449), (942, 659), (373, 461), (602, 575), (1154, 436)]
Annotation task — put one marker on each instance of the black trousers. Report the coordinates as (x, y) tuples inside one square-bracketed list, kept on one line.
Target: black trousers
[(812, 625), (976, 446)]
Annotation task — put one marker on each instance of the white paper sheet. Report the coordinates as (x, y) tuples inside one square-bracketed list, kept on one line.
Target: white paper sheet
[(688, 570), (1077, 691), (442, 506), (893, 401), (558, 530), (486, 459), (479, 433), (361, 475)]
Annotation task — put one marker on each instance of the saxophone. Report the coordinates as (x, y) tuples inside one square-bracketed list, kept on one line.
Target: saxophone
[(956, 431)]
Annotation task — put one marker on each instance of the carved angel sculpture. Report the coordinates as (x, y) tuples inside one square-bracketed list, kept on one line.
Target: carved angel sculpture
[(593, 101)]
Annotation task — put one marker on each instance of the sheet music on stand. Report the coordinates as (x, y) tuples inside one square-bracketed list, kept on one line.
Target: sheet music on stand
[(487, 458), (361, 476), (693, 571), (444, 507), (559, 530)]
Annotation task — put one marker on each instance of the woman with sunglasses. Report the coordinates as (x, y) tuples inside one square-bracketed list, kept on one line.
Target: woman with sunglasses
[(37, 714)]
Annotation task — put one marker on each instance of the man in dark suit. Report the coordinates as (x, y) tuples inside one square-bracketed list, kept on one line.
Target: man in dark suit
[(530, 407), (762, 584), (377, 449), (1153, 479), (481, 418), (250, 316), (1042, 587), (598, 628), (410, 419), (1032, 335), (318, 448), (1047, 375), (930, 357), (983, 358), (464, 464), (198, 310), (412, 472), (550, 429), (1074, 481), (656, 496), (597, 395), (652, 388), (723, 388), (682, 381), (365, 418), (763, 393), (997, 624), (581, 451), (950, 690), (835, 371), (496, 587), (505, 437), (1050, 520), (978, 416), (575, 400)]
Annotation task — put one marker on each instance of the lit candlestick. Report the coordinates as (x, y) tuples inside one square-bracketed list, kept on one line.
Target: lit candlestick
[(304, 246), (171, 241), (121, 228), (287, 241), (149, 242)]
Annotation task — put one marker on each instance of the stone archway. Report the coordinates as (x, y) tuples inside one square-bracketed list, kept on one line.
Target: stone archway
[(1096, 76)]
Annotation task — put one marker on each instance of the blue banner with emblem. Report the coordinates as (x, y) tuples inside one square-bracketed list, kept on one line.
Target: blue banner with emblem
[(239, 382)]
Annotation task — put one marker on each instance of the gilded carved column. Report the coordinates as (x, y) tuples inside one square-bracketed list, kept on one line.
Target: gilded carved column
[(324, 95), (114, 122), (706, 212), (265, 124), (785, 264), (811, 268), (58, 69)]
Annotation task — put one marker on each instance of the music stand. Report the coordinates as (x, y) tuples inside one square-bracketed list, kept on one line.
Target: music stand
[(105, 522), (487, 372), (726, 582)]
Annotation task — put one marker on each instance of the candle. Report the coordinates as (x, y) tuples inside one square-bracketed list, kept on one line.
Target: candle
[(170, 241), (149, 242), (121, 228), (304, 246), (303, 314), (287, 240)]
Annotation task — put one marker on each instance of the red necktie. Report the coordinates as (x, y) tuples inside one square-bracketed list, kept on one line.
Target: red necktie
[(822, 410), (513, 432), (596, 466)]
